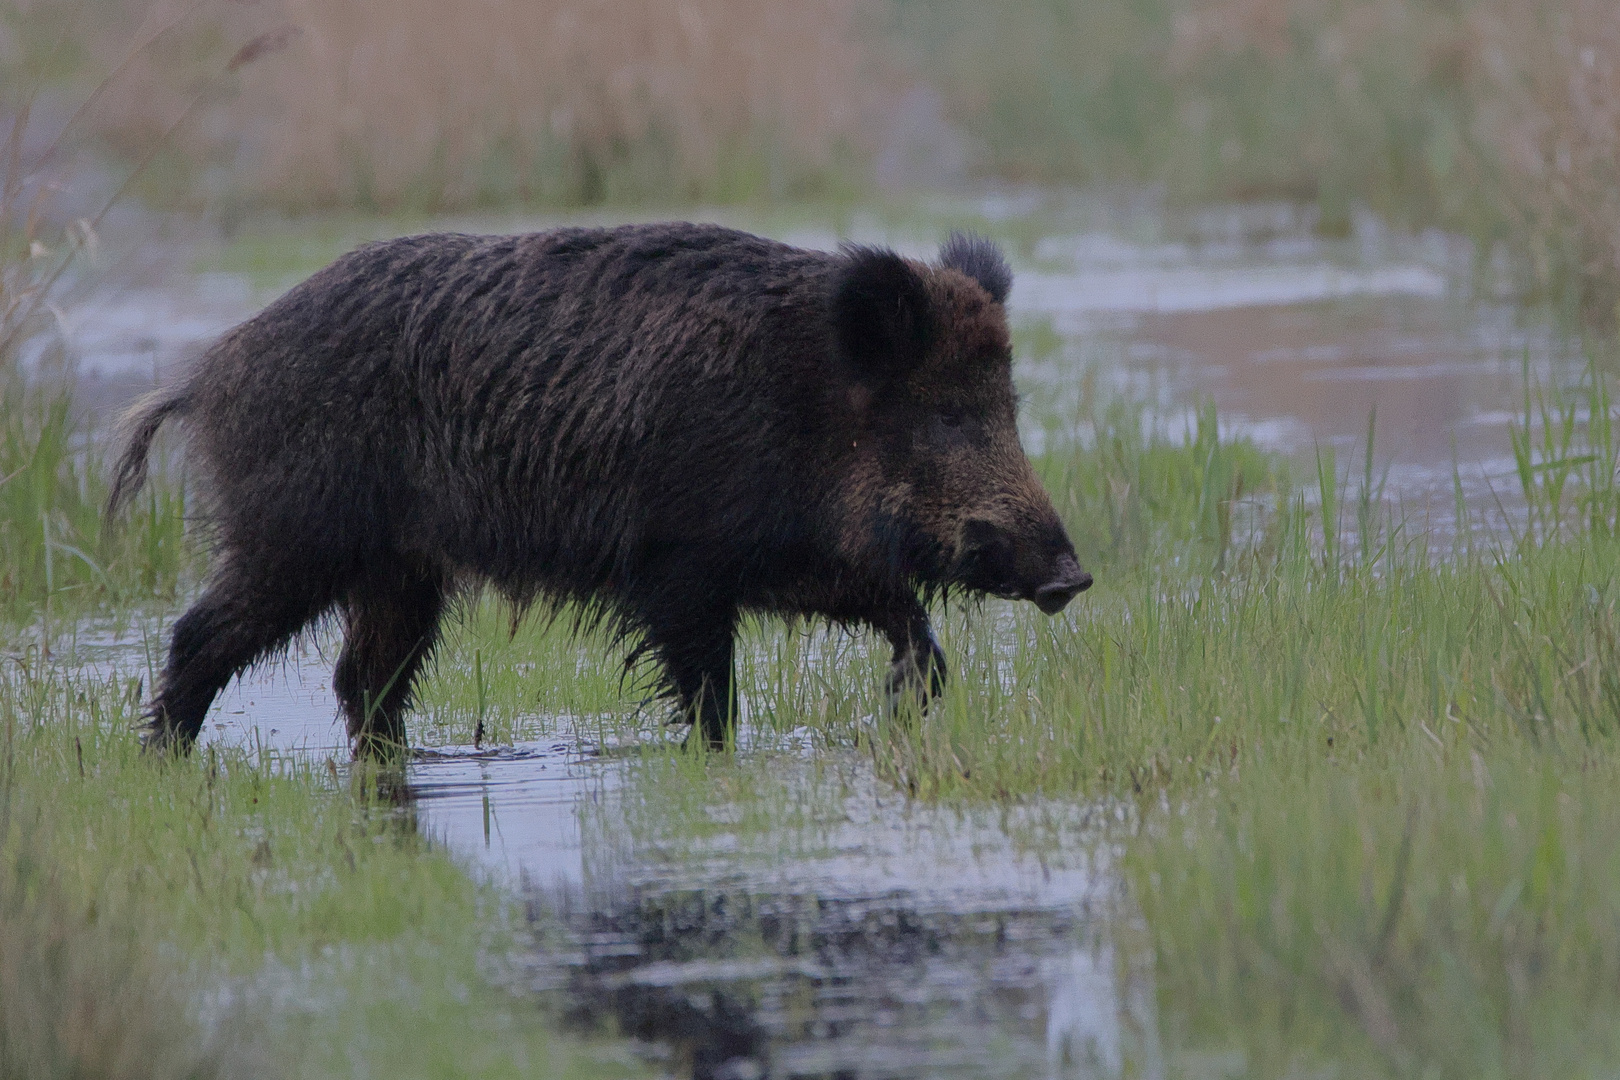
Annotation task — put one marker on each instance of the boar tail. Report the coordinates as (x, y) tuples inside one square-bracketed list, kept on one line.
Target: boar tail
[(138, 428)]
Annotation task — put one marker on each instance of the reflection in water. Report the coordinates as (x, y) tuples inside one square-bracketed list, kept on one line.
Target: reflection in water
[(811, 923), (515, 811), (802, 985)]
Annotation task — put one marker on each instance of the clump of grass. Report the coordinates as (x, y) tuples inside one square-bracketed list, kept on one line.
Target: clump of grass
[(79, 997), (299, 924), (1450, 912), (59, 558), (1134, 493)]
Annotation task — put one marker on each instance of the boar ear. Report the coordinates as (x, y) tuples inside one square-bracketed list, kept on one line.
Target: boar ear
[(881, 313), (979, 259)]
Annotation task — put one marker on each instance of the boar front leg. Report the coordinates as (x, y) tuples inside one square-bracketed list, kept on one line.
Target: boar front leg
[(696, 652), (917, 673)]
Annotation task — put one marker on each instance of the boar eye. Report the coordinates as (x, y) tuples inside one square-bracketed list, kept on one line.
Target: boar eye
[(951, 418)]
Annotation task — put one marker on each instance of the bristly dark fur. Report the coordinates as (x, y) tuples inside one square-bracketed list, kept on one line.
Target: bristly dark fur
[(666, 427), (884, 320), (980, 260)]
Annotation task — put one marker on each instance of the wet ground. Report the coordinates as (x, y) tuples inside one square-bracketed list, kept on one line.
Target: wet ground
[(860, 935)]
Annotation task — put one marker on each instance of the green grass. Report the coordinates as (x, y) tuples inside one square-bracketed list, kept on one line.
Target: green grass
[(59, 558), (1449, 910), (239, 913)]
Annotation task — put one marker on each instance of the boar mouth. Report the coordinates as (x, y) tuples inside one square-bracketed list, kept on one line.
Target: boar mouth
[(989, 563), (986, 562)]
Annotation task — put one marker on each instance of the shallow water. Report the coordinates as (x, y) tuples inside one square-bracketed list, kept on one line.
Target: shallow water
[(1300, 343), (813, 922), (849, 934), (816, 923)]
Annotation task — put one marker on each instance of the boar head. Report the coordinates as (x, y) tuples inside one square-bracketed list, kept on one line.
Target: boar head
[(938, 483)]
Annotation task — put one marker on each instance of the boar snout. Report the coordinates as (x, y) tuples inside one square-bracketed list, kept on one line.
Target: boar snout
[(1067, 583), (1041, 568)]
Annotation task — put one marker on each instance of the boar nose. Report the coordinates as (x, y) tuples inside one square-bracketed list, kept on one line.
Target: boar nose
[(1068, 582)]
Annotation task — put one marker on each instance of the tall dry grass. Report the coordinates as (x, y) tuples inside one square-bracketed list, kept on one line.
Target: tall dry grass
[(1497, 118), (422, 105), (1555, 127), (614, 98)]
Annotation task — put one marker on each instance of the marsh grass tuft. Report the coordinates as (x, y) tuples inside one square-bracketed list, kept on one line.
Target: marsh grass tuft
[(59, 557), (293, 922), (79, 996)]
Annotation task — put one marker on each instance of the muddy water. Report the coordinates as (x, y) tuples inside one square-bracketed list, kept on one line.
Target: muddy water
[(822, 925)]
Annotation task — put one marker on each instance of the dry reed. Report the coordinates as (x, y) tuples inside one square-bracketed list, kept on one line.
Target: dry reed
[(1498, 118), (1556, 129), (423, 105)]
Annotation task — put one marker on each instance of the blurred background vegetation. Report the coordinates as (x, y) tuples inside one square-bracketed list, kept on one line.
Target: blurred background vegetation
[(1498, 119)]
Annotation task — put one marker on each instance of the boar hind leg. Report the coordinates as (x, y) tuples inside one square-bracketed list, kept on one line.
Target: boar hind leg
[(391, 623), (917, 673), (243, 615)]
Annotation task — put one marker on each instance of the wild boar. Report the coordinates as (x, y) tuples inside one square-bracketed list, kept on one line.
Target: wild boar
[(666, 426)]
